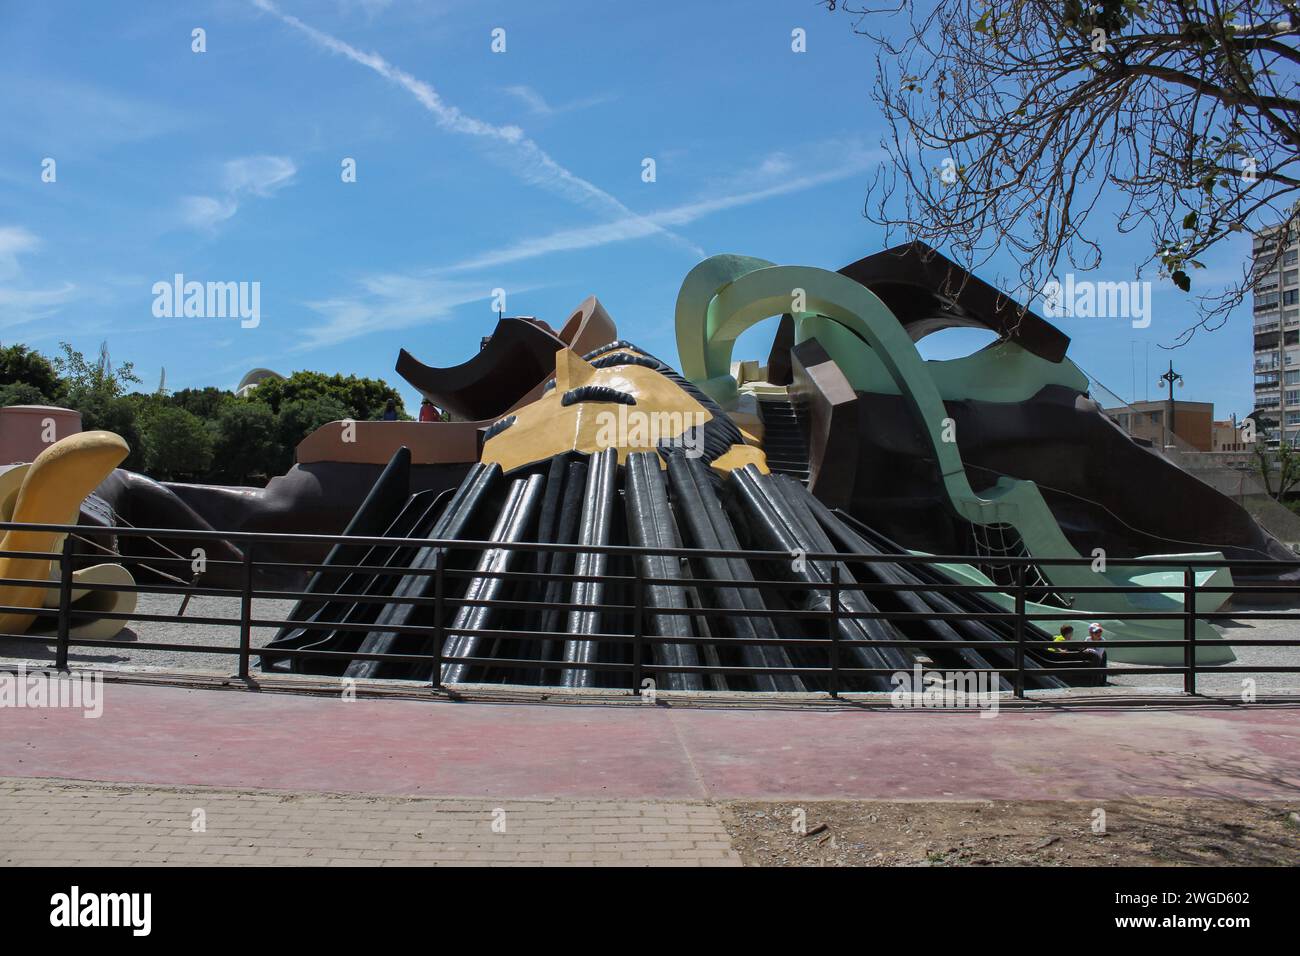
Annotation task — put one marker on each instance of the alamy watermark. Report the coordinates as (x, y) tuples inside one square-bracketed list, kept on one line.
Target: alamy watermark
[(74, 909), (208, 300), (1087, 299), (82, 691), (946, 690), (632, 428)]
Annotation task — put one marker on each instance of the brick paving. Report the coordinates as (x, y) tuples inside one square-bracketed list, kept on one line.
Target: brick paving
[(74, 823), (186, 737), (286, 778)]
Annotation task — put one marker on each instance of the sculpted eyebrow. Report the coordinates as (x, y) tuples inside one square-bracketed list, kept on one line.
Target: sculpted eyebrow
[(597, 393), (496, 428)]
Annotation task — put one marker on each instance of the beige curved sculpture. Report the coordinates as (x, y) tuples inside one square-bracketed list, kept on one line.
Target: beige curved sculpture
[(11, 482), (116, 598), (51, 492), (589, 327)]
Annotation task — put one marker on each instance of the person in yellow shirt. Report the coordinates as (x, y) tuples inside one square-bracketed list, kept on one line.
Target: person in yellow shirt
[(1094, 656), (1067, 634)]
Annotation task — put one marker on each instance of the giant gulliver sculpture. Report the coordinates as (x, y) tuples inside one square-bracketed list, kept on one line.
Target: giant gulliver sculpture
[(847, 443)]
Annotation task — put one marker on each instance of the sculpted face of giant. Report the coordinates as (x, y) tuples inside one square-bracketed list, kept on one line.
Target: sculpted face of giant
[(623, 400)]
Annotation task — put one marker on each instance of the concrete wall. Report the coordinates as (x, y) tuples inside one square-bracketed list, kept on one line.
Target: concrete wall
[(431, 443), (27, 430)]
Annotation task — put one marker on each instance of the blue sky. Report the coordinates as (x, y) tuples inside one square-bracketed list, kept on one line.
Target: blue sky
[(475, 171)]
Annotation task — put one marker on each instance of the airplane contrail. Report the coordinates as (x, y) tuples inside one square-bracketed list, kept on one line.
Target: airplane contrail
[(529, 161)]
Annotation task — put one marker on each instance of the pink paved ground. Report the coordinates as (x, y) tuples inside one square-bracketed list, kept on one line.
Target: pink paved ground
[(157, 734)]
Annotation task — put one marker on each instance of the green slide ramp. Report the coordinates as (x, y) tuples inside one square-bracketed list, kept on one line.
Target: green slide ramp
[(725, 295)]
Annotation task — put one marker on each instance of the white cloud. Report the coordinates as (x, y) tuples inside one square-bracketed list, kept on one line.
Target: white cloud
[(531, 98), (260, 176), (587, 237), (394, 301), (777, 164), (387, 302), (14, 241), (22, 306), (370, 8), (61, 117), (204, 212), (526, 159), (538, 105)]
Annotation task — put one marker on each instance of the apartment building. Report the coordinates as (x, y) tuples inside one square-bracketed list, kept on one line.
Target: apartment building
[(1276, 311)]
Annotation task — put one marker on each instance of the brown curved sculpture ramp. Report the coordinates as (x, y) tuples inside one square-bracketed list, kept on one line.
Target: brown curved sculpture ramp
[(588, 328), (928, 291), (515, 363), (518, 357)]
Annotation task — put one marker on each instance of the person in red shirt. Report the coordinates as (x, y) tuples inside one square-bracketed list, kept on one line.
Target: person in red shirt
[(428, 413)]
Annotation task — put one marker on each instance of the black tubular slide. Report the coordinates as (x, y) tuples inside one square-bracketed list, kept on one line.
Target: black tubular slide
[(574, 499), (651, 525), (855, 535), (805, 506), (707, 525), (513, 525), (540, 563), (779, 529), (586, 616), (382, 504), (561, 562), (451, 524), (330, 629)]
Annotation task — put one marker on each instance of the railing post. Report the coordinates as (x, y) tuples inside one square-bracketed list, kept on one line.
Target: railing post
[(638, 627), (1189, 631), (246, 613), (835, 629), (65, 605), (1020, 631), (439, 632)]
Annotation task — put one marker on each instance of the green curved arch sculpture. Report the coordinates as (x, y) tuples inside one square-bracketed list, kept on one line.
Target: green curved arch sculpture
[(725, 295)]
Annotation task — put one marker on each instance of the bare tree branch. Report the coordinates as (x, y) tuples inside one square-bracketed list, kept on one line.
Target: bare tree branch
[(1010, 121)]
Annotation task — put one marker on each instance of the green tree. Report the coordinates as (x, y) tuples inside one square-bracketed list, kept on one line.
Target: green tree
[(363, 398), (117, 415), (97, 379), (21, 393), (207, 403), (1278, 469), (300, 417), (246, 442), (176, 444), (98, 391), (20, 365)]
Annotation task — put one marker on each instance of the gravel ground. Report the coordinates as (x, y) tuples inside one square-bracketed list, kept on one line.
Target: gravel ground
[(1147, 832), (1134, 678), (1230, 685), (221, 635)]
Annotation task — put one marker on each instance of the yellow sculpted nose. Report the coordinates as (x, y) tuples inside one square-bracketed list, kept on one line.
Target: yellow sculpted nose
[(52, 491)]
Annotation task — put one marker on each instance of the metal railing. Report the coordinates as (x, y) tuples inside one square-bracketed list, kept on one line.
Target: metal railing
[(829, 666)]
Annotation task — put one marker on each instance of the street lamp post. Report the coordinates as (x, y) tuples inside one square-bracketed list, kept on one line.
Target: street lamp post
[(1167, 381)]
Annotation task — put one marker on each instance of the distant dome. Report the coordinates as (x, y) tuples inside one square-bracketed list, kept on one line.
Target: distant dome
[(254, 378)]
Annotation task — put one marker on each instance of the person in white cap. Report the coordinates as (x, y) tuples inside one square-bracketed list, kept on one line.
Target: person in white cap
[(1096, 655)]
